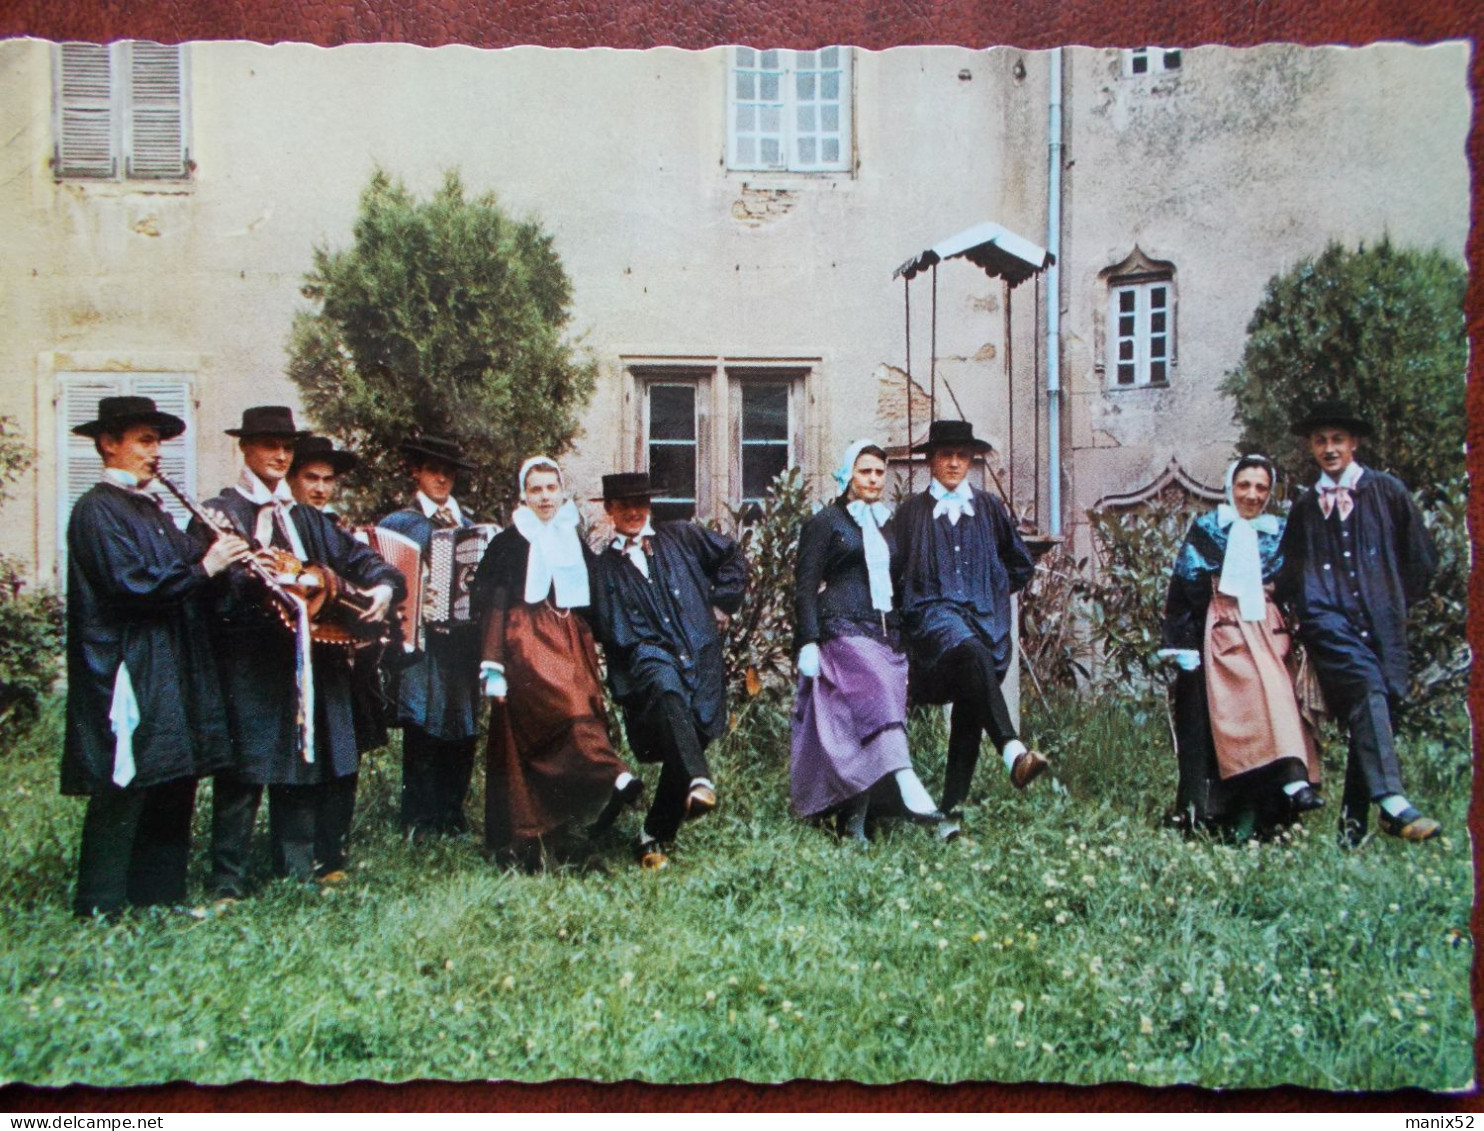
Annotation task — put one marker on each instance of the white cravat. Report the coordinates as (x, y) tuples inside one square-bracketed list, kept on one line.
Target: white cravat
[(273, 508), (634, 547), (870, 517), (128, 481), (555, 556), (959, 501)]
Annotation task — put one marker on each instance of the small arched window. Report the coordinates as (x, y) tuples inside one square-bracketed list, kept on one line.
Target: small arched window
[(1141, 322)]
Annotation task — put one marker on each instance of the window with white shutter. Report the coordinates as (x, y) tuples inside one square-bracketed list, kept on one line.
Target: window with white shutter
[(120, 111), (78, 395), (789, 110)]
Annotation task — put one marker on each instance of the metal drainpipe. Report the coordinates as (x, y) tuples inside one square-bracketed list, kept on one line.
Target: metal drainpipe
[(1053, 297)]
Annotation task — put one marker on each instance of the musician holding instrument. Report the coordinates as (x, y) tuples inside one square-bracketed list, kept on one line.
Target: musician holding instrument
[(144, 702), (289, 698), (438, 696)]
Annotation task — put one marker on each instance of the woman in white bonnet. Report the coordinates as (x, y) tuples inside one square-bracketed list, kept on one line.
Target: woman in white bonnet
[(1247, 757), (549, 761), (849, 734)]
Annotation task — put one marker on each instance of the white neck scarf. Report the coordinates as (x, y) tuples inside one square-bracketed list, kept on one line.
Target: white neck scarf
[(633, 548), (870, 517), (959, 501), (555, 556), (430, 508), (1336, 492), (273, 510), (1241, 565)]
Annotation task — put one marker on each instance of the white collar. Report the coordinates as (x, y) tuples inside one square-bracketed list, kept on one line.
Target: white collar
[(1348, 478), (430, 508), (621, 541), (962, 491), (255, 491), (1226, 514)]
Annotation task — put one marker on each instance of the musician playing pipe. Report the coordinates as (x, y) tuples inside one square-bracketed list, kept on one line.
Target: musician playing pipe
[(144, 704), (438, 698), (289, 702)]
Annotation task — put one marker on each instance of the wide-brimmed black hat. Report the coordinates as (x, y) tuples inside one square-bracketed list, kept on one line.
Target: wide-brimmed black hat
[(627, 485), (268, 420), (952, 433), (1333, 414), (117, 413), (435, 447), (321, 449)]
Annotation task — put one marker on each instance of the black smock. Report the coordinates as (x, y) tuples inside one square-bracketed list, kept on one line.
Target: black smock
[(1350, 584), (832, 586), (659, 633), (439, 691), (955, 582), (134, 588), (257, 655)]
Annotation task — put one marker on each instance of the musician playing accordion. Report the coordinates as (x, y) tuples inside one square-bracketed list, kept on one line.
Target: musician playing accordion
[(438, 696), (144, 704), (289, 700)]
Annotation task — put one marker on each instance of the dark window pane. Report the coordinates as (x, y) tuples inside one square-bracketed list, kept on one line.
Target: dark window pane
[(1125, 374), (1126, 301), (1125, 351), (765, 412), (1156, 347), (1140, 64), (662, 511), (1172, 60), (1125, 325), (1157, 322), (672, 412), (1157, 372), (672, 468), (761, 463), (1157, 298)]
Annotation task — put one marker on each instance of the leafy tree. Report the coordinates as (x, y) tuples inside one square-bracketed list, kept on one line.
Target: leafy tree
[(446, 317), (1382, 328)]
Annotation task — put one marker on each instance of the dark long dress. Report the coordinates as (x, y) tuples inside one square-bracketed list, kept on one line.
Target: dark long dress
[(1237, 714), (849, 722), (548, 759)]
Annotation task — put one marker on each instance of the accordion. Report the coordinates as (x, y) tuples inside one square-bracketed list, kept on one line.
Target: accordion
[(402, 552), (453, 556)]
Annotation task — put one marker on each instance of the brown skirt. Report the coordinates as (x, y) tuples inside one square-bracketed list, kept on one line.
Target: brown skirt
[(1255, 718), (548, 760)]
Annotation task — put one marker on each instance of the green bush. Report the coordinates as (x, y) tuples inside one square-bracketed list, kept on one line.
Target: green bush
[(1053, 640), (31, 636)]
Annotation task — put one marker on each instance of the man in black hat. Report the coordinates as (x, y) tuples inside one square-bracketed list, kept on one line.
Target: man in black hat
[(960, 558), (438, 696), (289, 703), (1355, 556), (144, 701), (660, 597)]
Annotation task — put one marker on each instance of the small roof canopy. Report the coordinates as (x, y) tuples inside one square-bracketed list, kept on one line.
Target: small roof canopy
[(993, 248)]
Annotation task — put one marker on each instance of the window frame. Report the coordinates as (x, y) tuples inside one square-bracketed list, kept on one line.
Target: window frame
[(78, 392), (1152, 55), (132, 115), (790, 103), (721, 385), (1142, 287)]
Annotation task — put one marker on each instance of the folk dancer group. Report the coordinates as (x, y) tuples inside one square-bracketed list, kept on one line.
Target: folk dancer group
[(189, 653)]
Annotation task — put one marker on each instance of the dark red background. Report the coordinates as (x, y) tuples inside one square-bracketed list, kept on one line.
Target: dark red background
[(799, 23)]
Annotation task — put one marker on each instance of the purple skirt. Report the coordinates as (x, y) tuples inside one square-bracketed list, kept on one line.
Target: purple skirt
[(849, 724)]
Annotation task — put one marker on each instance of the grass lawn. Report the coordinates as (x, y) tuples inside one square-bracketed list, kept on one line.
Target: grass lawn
[(1065, 937)]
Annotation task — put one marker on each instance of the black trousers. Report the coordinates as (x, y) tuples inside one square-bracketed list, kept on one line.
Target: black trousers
[(136, 845), (435, 781), (669, 732), (1371, 767), (308, 829), (967, 673)]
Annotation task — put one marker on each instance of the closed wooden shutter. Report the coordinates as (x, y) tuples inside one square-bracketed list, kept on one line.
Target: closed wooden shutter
[(155, 126), (78, 395), (84, 109)]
